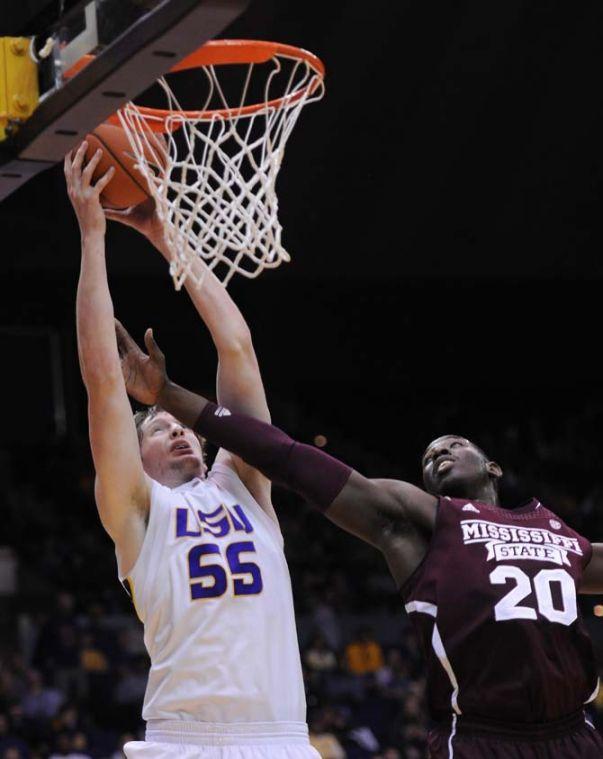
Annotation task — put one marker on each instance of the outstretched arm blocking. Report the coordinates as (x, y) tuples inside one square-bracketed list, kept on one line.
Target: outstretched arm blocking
[(377, 511), (395, 517), (306, 470)]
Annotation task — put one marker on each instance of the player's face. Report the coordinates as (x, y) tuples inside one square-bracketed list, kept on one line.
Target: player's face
[(171, 453), (454, 466)]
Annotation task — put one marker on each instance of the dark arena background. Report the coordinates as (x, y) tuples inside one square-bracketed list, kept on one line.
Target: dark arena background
[(443, 207)]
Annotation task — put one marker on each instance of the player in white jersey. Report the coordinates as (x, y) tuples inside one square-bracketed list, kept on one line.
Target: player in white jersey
[(203, 554)]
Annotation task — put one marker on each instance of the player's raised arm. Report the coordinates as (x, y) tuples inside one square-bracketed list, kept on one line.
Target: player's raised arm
[(394, 516), (239, 383), (122, 490)]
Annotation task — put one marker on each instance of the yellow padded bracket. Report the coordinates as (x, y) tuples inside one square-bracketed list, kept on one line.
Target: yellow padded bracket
[(19, 89)]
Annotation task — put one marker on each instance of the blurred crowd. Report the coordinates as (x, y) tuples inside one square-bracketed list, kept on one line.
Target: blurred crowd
[(79, 693), (72, 660)]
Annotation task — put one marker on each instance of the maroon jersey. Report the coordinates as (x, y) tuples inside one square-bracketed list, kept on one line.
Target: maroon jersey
[(494, 602)]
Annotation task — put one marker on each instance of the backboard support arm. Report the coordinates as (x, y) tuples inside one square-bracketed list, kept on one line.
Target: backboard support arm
[(172, 32)]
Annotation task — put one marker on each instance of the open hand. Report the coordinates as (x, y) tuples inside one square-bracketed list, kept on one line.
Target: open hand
[(144, 375), (143, 218), (83, 194)]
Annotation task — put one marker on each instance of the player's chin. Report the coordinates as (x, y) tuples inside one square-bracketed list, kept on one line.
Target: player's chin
[(187, 462)]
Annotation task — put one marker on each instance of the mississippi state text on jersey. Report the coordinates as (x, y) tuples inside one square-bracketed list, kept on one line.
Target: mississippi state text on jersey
[(494, 603)]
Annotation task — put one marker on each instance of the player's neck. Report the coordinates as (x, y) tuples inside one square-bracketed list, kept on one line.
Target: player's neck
[(176, 479), (484, 494)]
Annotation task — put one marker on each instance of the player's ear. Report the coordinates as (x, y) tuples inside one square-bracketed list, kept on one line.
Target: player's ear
[(494, 470)]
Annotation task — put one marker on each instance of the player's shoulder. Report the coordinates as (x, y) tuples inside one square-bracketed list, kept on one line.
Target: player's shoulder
[(541, 511), (226, 479), (415, 505), (223, 474), (553, 519)]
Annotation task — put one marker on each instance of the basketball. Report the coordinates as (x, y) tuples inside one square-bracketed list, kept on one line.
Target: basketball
[(128, 186)]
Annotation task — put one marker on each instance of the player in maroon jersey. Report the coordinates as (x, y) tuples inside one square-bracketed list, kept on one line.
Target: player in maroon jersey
[(491, 591)]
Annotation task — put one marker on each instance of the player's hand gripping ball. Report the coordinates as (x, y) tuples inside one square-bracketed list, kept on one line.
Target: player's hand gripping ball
[(128, 187)]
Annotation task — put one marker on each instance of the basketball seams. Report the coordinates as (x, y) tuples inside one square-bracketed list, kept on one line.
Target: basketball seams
[(106, 147)]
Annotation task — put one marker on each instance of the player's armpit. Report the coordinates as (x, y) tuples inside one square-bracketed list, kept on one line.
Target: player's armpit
[(592, 579), (126, 527), (379, 511)]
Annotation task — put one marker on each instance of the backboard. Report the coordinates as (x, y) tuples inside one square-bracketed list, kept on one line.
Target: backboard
[(134, 43)]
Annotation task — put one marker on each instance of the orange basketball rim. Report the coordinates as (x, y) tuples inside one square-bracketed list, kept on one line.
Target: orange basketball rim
[(216, 190), (223, 53)]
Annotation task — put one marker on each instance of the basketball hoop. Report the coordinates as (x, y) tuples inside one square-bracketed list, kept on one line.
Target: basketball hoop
[(216, 196)]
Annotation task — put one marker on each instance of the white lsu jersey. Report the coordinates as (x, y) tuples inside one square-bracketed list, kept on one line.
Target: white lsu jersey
[(212, 587)]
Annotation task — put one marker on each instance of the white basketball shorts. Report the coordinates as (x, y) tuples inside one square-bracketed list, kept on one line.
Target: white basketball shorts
[(167, 739)]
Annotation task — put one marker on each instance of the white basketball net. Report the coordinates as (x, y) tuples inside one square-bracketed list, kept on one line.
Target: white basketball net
[(217, 197)]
